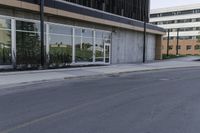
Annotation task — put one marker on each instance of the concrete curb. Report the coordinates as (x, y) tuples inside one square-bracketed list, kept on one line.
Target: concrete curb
[(87, 76), (47, 70), (117, 73)]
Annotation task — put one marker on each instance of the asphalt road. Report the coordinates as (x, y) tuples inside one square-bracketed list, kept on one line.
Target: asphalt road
[(166, 101)]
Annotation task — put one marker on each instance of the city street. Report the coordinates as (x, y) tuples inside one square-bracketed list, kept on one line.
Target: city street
[(162, 101)]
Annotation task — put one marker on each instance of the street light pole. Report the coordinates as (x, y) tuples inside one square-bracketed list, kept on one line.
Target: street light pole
[(168, 43), (145, 26), (177, 42), (42, 32)]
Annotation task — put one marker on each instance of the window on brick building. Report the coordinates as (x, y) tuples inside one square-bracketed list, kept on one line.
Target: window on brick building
[(188, 47), (170, 47), (197, 47)]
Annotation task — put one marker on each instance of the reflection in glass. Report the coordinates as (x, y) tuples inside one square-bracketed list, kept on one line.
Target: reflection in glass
[(5, 47), (84, 49), (58, 29), (28, 43), (27, 26), (99, 34), (99, 50), (5, 23), (107, 53), (102, 39), (60, 49), (87, 33), (78, 32), (107, 36), (5, 42), (107, 43)]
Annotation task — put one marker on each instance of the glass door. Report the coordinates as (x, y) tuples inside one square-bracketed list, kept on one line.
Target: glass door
[(107, 53)]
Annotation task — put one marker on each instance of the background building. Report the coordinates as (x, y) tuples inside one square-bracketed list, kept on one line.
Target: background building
[(79, 32), (182, 22)]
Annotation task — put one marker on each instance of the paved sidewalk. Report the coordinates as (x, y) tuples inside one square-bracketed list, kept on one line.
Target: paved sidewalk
[(12, 78)]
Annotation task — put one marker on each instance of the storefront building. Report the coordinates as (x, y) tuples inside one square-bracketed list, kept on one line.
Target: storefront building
[(74, 34)]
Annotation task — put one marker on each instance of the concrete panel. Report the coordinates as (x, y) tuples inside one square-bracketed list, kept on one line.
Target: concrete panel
[(139, 46), (127, 46), (150, 47)]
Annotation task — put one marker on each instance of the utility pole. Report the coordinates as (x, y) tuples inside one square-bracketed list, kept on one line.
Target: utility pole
[(168, 43), (145, 26), (177, 44), (42, 33)]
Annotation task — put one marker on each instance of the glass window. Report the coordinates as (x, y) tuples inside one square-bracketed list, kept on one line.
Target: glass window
[(167, 14), (197, 19), (84, 49), (99, 50), (58, 29), (185, 37), (99, 34), (83, 45), (5, 42), (5, 47), (107, 43), (106, 36), (28, 43), (197, 47), (87, 33), (187, 12), (60, 45), (27, 26), (78, 41), (188, 47), (78, 31), (154, 15), (5, 23)]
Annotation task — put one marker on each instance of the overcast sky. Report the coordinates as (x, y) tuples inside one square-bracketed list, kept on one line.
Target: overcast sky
[(167, 3)]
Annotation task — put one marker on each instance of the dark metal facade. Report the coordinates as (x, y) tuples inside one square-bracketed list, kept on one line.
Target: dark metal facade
[(129, 8), (139, 11)]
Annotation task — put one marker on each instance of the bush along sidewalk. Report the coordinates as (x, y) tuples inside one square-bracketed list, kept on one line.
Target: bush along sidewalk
[(172, 56)]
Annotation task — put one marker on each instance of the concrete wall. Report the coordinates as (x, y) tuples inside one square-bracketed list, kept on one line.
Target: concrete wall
[(127, 46)]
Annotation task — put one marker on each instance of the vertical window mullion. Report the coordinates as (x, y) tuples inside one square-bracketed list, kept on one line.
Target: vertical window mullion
[(94, 46), (73, 46), (47, 42), (13, 41)]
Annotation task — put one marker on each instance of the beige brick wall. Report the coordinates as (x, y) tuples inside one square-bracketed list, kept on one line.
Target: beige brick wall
[(183, 44), (159, 43)]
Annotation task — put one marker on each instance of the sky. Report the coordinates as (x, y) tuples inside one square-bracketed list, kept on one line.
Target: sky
[(168, 3)]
